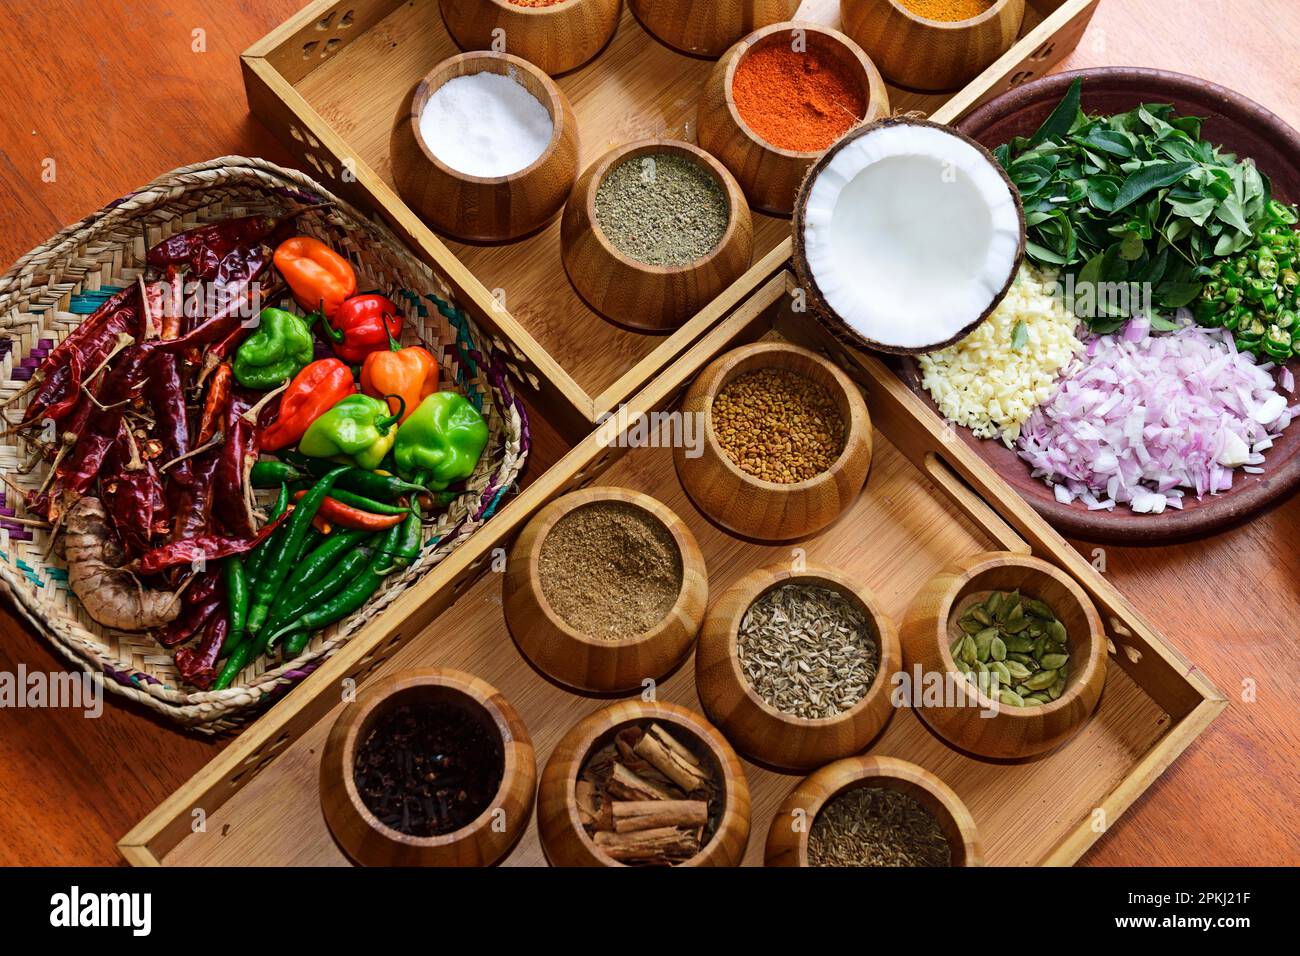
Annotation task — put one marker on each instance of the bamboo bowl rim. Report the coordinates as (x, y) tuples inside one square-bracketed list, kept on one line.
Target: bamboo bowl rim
[(736, 209), (759, 583), (536, 11), (659, 712), (744, 47), (1079, 679), (362, 712), (724, 368), (952, 810), (549, 516), (439, 76), (945, 25)]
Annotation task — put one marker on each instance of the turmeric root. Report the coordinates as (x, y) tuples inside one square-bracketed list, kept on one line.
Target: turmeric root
[(111, 595)]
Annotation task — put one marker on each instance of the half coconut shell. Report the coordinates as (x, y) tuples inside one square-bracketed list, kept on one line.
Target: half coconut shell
[(817, 300)]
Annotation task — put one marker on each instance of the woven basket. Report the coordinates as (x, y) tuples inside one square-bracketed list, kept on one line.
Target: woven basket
[(54, 286)]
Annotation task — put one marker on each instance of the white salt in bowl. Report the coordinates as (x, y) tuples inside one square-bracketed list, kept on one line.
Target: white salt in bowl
[(484, 208)]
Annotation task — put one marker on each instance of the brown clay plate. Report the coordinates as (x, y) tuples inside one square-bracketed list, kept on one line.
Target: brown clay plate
[(1241, 126)]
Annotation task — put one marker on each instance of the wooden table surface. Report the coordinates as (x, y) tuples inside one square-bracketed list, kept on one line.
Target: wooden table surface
[(134, 88)]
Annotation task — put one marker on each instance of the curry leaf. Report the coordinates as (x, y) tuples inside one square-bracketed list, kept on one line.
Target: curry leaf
[(1063, 118), (1145, 180)]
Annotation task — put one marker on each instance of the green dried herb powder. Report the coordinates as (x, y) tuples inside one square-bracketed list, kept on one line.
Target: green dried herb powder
[(662, 209), (872, 826)]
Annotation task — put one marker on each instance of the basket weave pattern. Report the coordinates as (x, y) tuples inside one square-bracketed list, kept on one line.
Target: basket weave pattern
[(51, 289)]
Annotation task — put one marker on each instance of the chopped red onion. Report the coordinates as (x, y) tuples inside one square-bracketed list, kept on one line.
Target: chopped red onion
[(1141, 419)]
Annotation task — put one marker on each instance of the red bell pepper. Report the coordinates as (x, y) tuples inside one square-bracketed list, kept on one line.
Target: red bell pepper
[(320, 279), (365, 324), (314, 391)]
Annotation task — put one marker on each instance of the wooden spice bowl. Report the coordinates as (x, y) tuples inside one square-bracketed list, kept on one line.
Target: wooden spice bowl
[(787, 837), (557, 39), (486, 208), (977, 724), (635, 294), (762, 732), (563, 838), (707, 29), (770, 175), (765, 510), (481, 843), (925, 54), (585, 662)]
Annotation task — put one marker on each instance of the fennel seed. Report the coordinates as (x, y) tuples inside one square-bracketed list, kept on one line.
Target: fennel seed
[(807, 650)]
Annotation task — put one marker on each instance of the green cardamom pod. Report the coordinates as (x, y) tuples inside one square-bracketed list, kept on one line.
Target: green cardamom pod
[(1010, 698), (1018, 657), (1042, 680), (970, 625), (1056, 631), (1018, 644), (983, 641), (968, 653), (998, 649), (1017, 670), (979, 614), (991, 605), (955, 647), (1038, 609), (1033, 699), (1003, 672), (1017, 627), (1056, 689), (1054, 661)]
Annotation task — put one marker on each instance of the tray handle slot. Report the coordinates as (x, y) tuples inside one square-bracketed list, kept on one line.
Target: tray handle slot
[(972, 505)]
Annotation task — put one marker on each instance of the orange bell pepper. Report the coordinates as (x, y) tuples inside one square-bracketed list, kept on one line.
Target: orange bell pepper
[(319, 277), (409, 372)]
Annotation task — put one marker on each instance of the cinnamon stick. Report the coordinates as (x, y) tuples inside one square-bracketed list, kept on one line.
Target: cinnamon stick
[(584, 795), (665, 754), (662, 845), (632, 815), (625, 784)]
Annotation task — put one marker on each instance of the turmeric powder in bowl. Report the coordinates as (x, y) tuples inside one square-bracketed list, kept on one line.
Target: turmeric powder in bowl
[(797, 99), (948, 11)]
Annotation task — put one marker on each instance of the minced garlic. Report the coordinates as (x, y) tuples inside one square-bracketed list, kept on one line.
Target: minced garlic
[(987, 384)]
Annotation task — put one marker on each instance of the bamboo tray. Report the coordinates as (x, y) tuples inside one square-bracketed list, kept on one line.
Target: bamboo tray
[(329, 82), (929, 499)]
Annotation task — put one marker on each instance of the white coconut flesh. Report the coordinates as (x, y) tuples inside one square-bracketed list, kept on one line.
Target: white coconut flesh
[(911, 235)]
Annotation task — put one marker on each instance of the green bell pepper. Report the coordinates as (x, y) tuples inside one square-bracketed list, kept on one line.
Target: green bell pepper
[(279, 349), (359, 429), (441, 441)]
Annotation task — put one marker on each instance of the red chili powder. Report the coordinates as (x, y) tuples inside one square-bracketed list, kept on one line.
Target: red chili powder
[(797, 100)]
